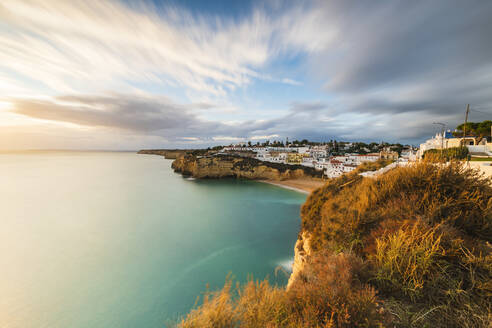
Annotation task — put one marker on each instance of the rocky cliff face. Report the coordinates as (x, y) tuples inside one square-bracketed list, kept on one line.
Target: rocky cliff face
[(302, 251), (223, 166)]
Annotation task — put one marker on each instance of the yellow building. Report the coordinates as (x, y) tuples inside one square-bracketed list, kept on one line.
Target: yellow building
[(458, 142), (393, 155), (294, 158)]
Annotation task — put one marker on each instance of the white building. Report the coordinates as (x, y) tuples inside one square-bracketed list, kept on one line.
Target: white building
[(302, 150), (434, 143), (318, 153), (262, 155), (308, 161), (335, 168), (243, 148), (276, 157), (445, 141), (357, 159), (408, 155)]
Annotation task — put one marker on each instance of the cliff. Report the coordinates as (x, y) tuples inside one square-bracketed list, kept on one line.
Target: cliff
[(223, 166), (409, 248), (302, 252)]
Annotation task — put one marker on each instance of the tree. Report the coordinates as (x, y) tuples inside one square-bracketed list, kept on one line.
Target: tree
[(480, 129)]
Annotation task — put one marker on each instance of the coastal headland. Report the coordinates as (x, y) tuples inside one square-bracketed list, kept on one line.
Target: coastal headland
[(371, 252), (167, 153), (202, 166), (407, 248)]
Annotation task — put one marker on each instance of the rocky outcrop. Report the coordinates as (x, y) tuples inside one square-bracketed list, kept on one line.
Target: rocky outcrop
[(302, 251), (167, 153), (224, 166)]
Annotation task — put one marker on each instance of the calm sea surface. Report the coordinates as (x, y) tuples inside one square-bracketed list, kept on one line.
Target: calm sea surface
[(101, 240)]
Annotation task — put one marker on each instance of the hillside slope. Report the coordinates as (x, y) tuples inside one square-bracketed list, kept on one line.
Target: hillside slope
[(408, 249)]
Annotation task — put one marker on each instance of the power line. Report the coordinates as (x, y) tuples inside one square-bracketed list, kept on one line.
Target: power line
[(482, 106), (476, 110)]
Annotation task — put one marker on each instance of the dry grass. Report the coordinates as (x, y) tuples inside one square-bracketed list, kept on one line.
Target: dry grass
[(409, 259), (346, 210), (425, 231), (409, 249), (329, 295), (373, 166)]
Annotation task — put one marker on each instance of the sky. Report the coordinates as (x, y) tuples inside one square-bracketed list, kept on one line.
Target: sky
[(116, 75)]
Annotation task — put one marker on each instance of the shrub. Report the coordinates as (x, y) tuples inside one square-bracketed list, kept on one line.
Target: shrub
[(216, 311), (449, 153), (424, 231), (408, 249), (329, 295), (409, 259), (343, 213)]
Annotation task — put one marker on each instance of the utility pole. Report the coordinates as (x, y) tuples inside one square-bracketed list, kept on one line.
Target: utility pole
[(464, 128), (466, 120)]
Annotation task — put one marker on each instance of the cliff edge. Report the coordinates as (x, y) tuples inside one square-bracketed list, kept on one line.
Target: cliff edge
[(225, 166), (167, 153), (409, 248)]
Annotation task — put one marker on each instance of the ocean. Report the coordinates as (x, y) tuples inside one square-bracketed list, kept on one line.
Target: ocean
[(116, 239)]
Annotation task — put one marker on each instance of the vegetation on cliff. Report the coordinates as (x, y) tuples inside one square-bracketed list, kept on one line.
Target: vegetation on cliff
[(448, 154), (409, 249), (221, 166), (373, 166)]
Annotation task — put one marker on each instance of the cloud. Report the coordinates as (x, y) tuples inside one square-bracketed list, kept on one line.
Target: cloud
[(299, 107), (370, 70), (398, 57), (161, 117), (95, 45), (141, 115), (291, 82), (157, 122), (272, 136)]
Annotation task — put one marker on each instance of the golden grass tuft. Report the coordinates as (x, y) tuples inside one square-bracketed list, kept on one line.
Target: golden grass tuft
[(409, 259), (411, 248), (329, 295)]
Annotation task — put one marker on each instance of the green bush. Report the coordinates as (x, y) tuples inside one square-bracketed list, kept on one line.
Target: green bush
[(449, 153)]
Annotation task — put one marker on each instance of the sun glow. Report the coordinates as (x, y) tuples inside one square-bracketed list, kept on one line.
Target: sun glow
[(4, 105)]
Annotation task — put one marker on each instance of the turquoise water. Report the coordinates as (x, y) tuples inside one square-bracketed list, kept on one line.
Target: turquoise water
[(93, 239)]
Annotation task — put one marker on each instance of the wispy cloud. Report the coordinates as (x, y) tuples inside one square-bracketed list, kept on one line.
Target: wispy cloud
[(350, 70), (74, 46), (158, 116), (145, 115)]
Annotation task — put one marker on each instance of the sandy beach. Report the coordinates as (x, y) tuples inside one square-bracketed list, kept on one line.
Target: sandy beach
[(301, 185)]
